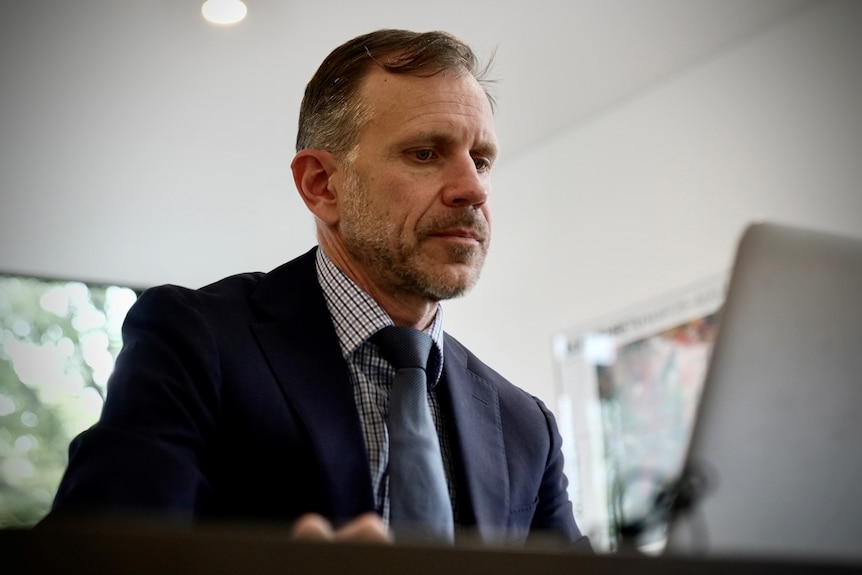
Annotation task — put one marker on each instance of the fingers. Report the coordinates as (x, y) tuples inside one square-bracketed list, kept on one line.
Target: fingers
[(367, 528), (312, 527)]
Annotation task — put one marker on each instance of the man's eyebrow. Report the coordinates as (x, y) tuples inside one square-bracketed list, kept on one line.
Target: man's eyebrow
[(443, 139), (429, 137), (488, 149)]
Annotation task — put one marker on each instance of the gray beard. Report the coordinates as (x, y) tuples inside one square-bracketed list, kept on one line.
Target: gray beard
[(399, 267)]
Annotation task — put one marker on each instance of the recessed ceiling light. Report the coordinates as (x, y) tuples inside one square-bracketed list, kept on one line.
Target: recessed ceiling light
[(224, 11)]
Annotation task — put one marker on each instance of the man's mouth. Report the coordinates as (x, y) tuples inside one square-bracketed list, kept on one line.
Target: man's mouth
[(460, 234)]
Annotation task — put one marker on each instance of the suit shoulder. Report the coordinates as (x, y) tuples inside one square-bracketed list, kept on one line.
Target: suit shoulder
[(243, 296), (225, 291)]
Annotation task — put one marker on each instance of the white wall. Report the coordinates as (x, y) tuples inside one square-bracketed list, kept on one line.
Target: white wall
[(644, 199), (653, 195)]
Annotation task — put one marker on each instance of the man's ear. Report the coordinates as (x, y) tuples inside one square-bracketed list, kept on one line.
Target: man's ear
[(313, 172)]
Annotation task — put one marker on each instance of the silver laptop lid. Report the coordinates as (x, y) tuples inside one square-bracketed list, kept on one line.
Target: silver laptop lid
[(775, 460)]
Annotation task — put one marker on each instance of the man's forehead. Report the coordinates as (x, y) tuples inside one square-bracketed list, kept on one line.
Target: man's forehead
[(407, 110), (416, 94)]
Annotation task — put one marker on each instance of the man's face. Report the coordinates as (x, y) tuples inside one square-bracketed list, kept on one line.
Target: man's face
[(413, 205)]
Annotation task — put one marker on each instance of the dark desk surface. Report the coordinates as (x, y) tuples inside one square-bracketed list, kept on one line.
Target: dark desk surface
[(147, 549)]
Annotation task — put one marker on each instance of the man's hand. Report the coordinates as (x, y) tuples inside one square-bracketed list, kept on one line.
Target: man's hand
[(367, 528)]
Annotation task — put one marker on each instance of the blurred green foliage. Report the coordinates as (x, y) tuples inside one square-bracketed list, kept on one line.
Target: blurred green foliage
[(58, 343)]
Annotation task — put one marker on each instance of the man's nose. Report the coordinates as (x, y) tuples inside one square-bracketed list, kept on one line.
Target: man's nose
[(465, 184)]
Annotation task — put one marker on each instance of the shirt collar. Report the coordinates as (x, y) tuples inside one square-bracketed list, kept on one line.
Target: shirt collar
[(356, 316)]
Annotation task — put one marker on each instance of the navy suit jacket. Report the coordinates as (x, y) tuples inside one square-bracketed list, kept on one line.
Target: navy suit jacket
[(234, 402)]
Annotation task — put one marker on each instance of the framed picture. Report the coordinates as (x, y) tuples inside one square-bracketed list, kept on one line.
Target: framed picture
[(628, 388)]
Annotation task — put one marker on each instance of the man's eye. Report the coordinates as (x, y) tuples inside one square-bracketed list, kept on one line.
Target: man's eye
[(482, 164), (423, 155)]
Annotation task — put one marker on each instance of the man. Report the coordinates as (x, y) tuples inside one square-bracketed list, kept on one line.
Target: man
[(262, 396)]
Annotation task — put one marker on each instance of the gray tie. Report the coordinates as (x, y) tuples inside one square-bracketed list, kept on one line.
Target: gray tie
[(419, 505)]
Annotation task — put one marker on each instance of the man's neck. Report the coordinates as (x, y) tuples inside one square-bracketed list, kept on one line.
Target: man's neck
[(404, 309)]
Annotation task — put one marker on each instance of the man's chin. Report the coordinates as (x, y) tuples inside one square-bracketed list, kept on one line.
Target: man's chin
[(452, 281)]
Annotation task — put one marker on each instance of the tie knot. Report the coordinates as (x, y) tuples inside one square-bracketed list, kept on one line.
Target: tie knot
[(403, 347)]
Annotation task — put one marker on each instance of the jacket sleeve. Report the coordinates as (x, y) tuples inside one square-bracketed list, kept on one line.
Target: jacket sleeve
[(554, 517), (146, 454)]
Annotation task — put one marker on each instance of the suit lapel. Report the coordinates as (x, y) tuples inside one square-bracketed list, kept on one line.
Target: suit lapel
[(296, 336), (301, 347), (480, 452)]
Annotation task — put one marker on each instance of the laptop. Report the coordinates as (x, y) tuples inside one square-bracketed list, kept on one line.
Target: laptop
[(774, 465)]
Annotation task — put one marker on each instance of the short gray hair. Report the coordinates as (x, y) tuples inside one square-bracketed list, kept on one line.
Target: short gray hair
[(332, 114)]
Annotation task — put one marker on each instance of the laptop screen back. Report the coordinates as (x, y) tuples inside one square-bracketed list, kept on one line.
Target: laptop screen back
[(777, 443)]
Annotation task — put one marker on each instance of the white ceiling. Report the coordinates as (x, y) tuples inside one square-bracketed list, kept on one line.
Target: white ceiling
[(558, 61), (118, 102)]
